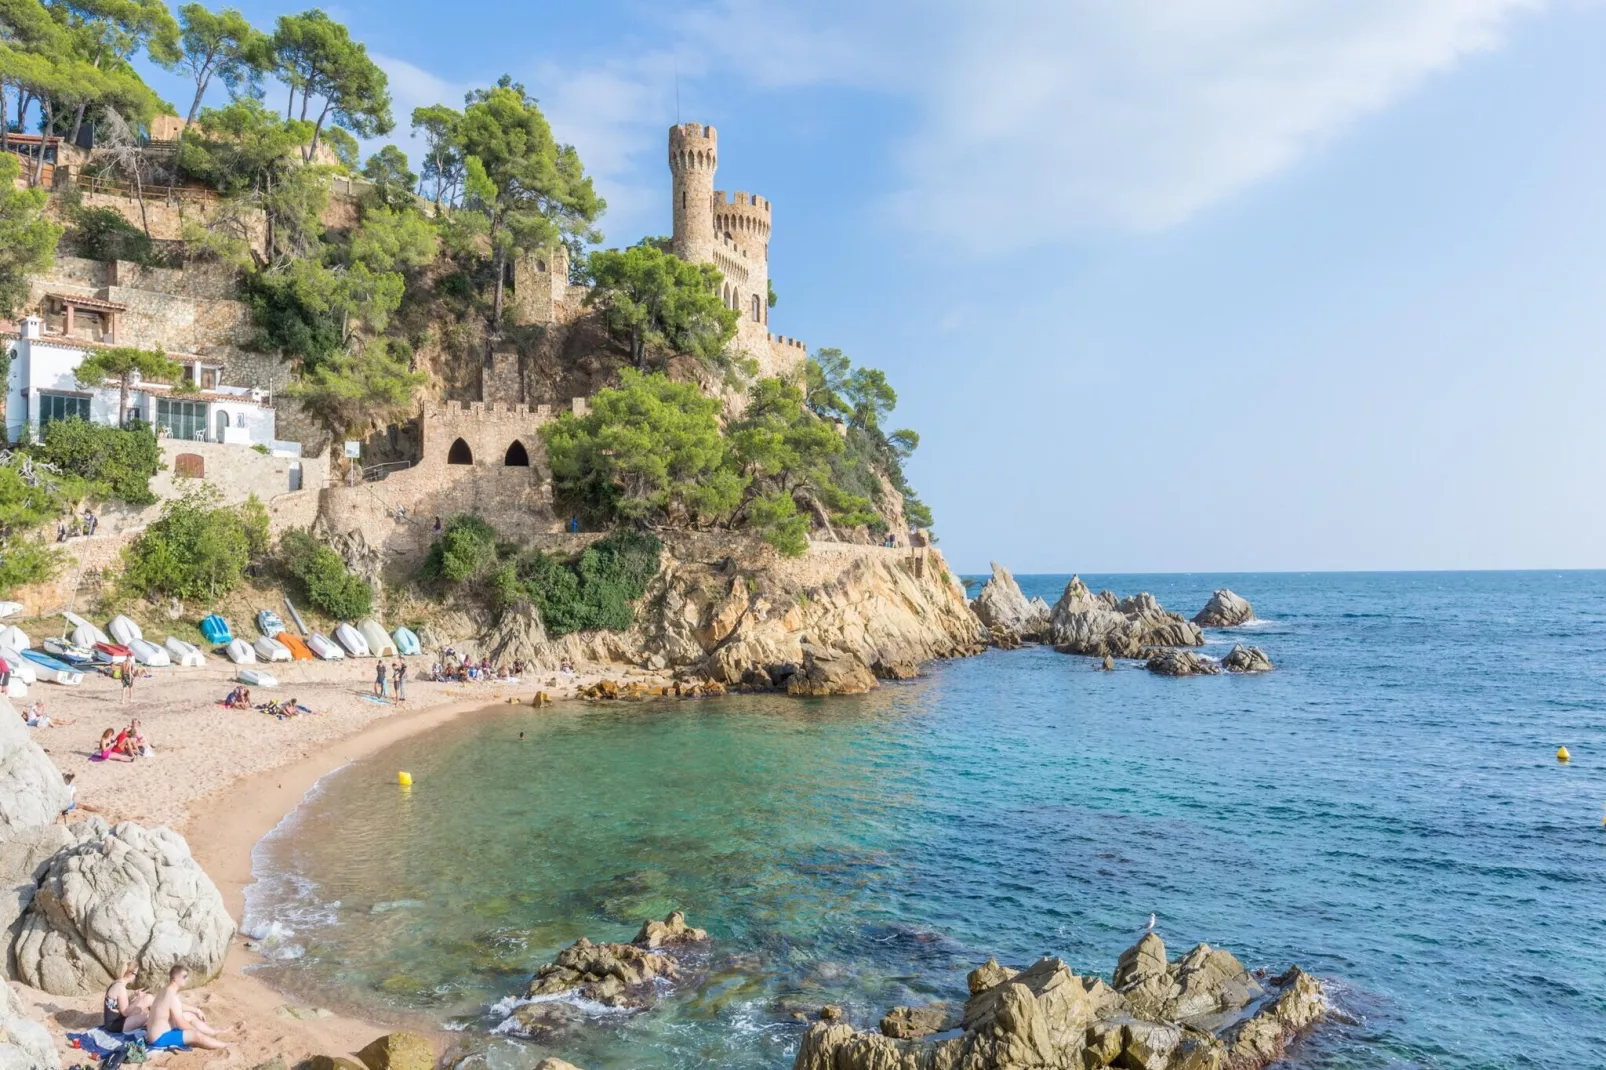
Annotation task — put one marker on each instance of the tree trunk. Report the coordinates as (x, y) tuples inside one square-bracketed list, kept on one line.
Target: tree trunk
[(122, 401), (638, 351), (501, 272), (5, 127), (39, 157)]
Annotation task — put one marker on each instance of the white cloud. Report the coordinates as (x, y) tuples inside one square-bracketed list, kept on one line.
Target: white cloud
[(1037, 119)]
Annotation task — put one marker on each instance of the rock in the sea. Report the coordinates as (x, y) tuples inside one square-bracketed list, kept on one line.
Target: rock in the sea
[(32, 792), (1102, 625), (1202, 1012), (24, 1043), (123, 894), (399, 1051), (614, 975), (830, 672), (1006, 612), (1182, 663), (669, 932), (1224, 610), (550, 1063), (1246, 659), (907, 1023)]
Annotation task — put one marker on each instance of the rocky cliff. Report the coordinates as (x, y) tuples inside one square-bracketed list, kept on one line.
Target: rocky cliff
[(733, 611)]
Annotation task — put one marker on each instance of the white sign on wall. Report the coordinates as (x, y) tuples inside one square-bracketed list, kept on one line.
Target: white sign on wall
[(353, 449)]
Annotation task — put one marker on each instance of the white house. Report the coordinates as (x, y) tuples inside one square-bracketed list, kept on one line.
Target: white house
[(40, 387)]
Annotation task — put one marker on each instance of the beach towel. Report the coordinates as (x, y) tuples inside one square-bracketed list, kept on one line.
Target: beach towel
[(100, 1043)]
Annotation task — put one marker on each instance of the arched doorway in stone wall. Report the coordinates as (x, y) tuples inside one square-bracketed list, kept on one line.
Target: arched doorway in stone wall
[(460, 453), (517, 456), (189, 466)]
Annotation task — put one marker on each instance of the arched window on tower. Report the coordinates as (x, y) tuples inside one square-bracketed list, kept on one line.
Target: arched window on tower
[(758, 310), (516, 456), (460, 453)]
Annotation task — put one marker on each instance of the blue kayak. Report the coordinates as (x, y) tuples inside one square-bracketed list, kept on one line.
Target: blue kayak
[(216, 629), (49, 668)]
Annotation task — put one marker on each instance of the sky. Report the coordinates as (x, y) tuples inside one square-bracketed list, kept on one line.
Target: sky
[(1223, 285)]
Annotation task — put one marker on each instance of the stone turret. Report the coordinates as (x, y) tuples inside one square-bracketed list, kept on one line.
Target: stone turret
[(693, 157)]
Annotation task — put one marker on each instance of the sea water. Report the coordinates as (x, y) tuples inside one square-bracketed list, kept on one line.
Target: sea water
[(1385, 809)]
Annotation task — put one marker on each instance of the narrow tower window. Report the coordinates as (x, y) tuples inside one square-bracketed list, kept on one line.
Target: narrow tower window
[(758, 313)]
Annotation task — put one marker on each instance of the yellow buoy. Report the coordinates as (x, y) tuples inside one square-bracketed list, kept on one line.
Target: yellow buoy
[(404, 779), (1562, 755)]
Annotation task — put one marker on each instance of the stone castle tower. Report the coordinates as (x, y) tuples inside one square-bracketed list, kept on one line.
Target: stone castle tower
[(733, 234)]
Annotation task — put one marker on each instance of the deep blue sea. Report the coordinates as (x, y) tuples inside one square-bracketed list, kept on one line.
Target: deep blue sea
[(1385, 809)]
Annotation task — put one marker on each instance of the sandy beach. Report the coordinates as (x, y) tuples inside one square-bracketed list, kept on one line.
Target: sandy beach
[(225, 778)]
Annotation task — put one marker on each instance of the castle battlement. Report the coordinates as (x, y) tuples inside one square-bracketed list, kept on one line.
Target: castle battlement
[(492, 412), (723, 199), (782, 340)]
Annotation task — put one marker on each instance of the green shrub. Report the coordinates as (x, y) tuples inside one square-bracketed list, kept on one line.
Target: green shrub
[(466, 550), (598, 591), (328, 586), (116, 462), (196, 549), (27, 561), (103, 234)]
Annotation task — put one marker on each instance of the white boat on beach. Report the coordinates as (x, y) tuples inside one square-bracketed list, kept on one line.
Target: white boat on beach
[(380, 644), (10, 609), (84, 633), (15, 638), (186, 654), (123, 630), (257, 678), (269, 649), (240, 652), (68, 651), (321, 646), (148, 653), (352, 640)]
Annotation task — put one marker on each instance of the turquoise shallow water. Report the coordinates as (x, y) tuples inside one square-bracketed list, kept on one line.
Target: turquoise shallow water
[(1384, 809)]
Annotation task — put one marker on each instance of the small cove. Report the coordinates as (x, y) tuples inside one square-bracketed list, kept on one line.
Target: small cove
[(1384, 809)]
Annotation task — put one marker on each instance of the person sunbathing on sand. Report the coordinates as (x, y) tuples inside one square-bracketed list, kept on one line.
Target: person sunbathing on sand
[(126, 1008), (111, 747), (170, 1024)]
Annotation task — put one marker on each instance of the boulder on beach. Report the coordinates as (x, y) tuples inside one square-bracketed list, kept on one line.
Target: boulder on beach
[(32, 792), (830, 672), (115, 895), (1202, 1011), (1182, 663), (399, 1051), (1006, 612), (1103, 625), (1224, 610), (24, 1043), (1243, 658)]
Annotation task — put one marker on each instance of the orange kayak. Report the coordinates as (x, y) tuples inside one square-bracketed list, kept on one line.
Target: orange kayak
[(299, 651)]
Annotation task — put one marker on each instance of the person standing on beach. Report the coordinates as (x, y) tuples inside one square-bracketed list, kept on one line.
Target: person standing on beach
[(379, 680), (128, 684), (399, 677)]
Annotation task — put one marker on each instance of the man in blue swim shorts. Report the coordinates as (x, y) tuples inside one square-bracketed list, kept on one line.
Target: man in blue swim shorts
[(172, 1026)]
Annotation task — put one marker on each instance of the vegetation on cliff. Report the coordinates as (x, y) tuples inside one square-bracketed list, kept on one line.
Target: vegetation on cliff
[(113, 462), (860, 398), (323, 578), (197, 549), (27, 238), (660, 304)]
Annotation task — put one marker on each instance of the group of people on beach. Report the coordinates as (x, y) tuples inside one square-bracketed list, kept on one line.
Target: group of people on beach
[(164, 1019), (124, 746), (395, 676), (466, 670), (34, 716)]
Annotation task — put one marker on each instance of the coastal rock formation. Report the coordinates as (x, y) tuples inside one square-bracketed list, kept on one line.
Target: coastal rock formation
[(1182, 663), (32, 792), (670, 932), (731, 610), (614, 975), (1202, 1012), (1006, 612), (830, 672), (1101, 624), (1224, 610), (550, 1063), (24, 1043), (1246, 659), (116, 895), (907, 1023)]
